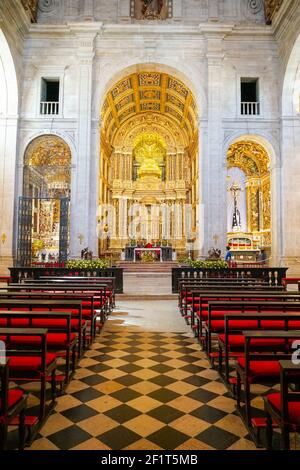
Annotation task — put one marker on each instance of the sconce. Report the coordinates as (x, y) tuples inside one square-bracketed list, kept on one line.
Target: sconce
[(3, 238)]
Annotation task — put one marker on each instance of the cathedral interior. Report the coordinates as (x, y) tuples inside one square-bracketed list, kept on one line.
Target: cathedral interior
[(151, 149)]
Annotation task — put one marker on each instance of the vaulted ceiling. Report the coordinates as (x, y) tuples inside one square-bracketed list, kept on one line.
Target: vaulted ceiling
[(148, 92)]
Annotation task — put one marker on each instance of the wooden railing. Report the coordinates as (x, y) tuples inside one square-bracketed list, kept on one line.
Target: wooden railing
[(18, 274), (273, 276)]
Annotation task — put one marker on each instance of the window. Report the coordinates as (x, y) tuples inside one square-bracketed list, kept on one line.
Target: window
[(49, 96), (250, 105)]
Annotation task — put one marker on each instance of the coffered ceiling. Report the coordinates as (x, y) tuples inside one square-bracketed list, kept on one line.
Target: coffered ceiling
[(148, 92)]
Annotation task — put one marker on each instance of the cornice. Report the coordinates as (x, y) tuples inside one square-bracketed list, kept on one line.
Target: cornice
[(158, 31)]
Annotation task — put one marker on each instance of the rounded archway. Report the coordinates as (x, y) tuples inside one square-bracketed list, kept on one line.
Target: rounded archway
[(290, 162), (44, 206), (8, 142), (148, 158), (248, 200)]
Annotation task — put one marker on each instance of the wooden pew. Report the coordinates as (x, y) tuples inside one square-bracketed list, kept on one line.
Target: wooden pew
[(262, 367), (283, 408), (60, 338), (200, 300), (13, 404), (34, 365), (63, 306), (232, 342), (215, 325)]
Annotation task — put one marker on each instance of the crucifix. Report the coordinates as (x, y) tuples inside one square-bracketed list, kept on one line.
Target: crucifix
[(235, 190)]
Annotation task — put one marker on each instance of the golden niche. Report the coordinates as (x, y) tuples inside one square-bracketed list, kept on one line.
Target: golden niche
[(149, 153)]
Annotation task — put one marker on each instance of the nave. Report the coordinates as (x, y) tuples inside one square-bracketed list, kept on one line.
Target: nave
[(146, 388), (144, 384)]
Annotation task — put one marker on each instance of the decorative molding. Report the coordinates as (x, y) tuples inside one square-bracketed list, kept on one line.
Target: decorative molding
[(48, 7)]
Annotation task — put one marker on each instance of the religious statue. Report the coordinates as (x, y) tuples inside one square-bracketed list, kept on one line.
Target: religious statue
[(149, 153), (214, 253), (236, 217), (150, 10), (86, 254)]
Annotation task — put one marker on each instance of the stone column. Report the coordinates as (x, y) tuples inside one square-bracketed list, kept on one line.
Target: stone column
[(290, 197), (80, 197), (215, 197)]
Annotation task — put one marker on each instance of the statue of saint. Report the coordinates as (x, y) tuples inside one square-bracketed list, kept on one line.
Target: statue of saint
[(152, 9)]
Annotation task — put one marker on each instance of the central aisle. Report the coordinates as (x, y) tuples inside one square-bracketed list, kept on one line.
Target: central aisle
[(145, 384)]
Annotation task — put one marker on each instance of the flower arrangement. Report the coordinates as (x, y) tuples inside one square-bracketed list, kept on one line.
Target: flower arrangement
[(147, 257), (209, 264), (87, 264)]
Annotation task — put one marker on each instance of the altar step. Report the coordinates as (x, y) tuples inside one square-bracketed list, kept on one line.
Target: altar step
[(130, 267)]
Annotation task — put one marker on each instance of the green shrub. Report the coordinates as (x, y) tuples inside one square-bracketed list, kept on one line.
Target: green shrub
[(209, 264), (88, 264)]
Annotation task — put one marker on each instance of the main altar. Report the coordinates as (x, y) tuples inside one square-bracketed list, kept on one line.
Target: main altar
[(150, 172), (148, 252)]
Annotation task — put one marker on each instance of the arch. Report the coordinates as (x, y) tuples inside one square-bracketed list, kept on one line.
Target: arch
[(47, 165), (153, 100), (182, 71), (62, 135), (291, 83), (265, 140), (269, 144), (9, 96), (9, 104)]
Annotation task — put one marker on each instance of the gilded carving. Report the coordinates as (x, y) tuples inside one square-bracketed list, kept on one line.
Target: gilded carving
[(271, 8), (48, 150), (266, 201), (121, 87), (31, 6), (149, 79), (178, 87), (149, 91), (47, 165), (250, 157)]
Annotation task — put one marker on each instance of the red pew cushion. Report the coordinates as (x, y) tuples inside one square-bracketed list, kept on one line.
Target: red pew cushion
[(219, 325), (53, 323), (236, 341), (294, 408), (261, 368), (14, 395), (53, 339), (29, 363)]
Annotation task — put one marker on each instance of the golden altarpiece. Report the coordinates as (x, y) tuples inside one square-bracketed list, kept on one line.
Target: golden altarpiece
[(253, 160), (46, 182), (149, 151)]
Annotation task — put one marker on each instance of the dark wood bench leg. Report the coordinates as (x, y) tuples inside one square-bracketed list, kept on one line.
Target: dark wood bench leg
[(269, 431), (22, 430)]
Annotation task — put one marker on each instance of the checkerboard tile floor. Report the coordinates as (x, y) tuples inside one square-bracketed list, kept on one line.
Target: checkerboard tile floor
[(144, 390)]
